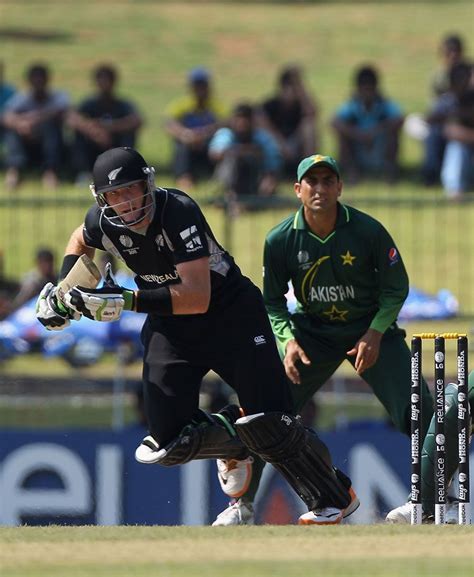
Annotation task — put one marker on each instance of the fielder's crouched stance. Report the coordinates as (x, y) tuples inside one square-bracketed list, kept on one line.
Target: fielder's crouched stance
[(203, 315)]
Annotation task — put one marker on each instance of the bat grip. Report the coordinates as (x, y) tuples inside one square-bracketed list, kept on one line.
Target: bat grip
[(108, 277)]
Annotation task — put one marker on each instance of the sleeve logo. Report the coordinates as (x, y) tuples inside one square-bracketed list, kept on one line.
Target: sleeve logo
[(393, 256), (191, 238)]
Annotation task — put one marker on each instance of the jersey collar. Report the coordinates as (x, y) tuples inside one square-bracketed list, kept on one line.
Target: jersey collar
[(343, 217)]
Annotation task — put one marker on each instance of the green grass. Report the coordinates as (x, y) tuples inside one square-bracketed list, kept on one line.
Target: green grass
[(155, 44), (245, 45), (369, 551)]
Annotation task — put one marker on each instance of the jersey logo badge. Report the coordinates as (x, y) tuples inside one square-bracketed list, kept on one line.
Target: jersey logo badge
[(259, 340), (302, 256), (126, 240), (113, 174), (191, 238), (347, 258), (393, 256)]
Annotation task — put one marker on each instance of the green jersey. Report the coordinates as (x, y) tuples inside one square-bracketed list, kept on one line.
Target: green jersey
[(353, 276)]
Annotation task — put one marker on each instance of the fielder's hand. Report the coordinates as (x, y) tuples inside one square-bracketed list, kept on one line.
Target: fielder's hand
[(293, 354), (51, 312), (366, 350), (104, 304)]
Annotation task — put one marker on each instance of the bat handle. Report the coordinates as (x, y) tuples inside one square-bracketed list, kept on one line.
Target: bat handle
[(109, 278)]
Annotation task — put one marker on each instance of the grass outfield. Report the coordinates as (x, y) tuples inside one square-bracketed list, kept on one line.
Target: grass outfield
[(381, 551), (244, 44)]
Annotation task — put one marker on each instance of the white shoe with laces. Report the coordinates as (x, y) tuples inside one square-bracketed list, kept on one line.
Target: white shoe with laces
[(234, 476), (238, 513)]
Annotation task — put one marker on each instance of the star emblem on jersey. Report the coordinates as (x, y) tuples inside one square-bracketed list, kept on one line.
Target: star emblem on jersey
[(335, 314), (347, 258)]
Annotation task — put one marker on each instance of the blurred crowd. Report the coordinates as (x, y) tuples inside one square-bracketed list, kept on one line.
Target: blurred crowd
[(14, 294), (250, 146)]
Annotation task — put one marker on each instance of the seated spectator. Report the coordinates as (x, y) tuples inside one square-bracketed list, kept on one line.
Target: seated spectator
[(6, 92), (5, 302), (34, 281), (191, 121), (290, 116), (457, 173), (102, 121), (451, 52), (443, 108), (34, 122), (247, 157), (8, 290), (368, 128)]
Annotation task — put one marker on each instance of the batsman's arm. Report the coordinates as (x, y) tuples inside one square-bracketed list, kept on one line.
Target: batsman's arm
[(190, 296), (74, 248)]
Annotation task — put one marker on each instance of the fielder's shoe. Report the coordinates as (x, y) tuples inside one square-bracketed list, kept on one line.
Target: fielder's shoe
[(234, 476), (330, 515), (452, 513), (238, 513), (402, 515)]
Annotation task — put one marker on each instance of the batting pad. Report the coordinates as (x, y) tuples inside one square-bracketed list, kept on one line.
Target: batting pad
[(300, 456), (212, 436)]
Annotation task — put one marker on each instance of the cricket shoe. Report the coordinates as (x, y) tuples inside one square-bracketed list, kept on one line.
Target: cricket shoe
[(234, 476), (148, 452), (330, 515), (402, 515), (238, 513)]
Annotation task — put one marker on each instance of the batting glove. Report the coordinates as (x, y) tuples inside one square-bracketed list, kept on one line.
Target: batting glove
[(51, 312), (104, 304)]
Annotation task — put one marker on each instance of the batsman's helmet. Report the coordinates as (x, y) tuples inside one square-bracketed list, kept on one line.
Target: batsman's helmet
[(118, 168)]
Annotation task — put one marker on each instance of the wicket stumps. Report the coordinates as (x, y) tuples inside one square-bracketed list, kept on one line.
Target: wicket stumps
[(464, 425)]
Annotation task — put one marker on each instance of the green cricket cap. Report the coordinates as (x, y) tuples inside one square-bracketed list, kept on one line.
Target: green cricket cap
[(317, 160)]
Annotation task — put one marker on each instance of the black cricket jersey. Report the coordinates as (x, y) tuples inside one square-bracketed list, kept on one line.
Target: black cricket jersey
[(178, 233)]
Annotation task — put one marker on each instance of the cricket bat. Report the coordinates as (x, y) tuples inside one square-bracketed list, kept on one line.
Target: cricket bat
[(84, 273)]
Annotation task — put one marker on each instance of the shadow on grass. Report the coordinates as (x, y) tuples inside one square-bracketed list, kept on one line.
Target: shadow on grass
[(31, 35)]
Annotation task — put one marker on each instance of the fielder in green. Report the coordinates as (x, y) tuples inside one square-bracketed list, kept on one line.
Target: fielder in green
[(350, 283), (402, 514)]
